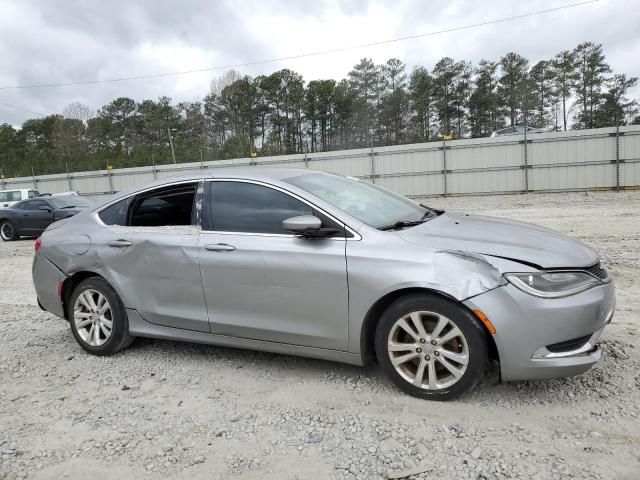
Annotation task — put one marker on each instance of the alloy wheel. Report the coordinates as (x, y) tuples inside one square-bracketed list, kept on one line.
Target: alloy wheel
[(93, 317), (428, 350)]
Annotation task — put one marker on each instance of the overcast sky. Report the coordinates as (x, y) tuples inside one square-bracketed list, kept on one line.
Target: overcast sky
[(81, 40)]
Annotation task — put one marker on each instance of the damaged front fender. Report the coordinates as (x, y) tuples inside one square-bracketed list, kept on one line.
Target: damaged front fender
[(463, 274)]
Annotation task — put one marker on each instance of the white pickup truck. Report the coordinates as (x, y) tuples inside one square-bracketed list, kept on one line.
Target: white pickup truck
[(10, 197)]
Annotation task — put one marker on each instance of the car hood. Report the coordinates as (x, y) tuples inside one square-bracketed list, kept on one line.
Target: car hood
[(502, 238)]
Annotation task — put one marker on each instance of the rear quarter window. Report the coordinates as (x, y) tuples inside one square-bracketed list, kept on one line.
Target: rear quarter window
[(116, 214)]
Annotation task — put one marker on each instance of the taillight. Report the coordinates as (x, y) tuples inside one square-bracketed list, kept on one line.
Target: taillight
[(38, 244)]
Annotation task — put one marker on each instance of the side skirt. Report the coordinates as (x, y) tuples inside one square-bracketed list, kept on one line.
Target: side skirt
[(139, 327)]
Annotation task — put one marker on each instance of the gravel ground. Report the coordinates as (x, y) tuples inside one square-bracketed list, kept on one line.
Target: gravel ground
[(174, 410)]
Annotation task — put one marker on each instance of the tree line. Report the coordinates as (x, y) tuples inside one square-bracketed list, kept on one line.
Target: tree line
[(375, 105)]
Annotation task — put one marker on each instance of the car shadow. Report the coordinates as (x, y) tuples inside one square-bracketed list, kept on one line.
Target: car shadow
[(605, 380)]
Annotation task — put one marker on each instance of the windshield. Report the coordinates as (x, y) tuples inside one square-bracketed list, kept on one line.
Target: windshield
[(70, 201), (364, 201)]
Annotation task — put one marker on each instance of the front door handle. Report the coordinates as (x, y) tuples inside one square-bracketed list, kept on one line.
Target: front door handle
[(120, 243), (220, 247)]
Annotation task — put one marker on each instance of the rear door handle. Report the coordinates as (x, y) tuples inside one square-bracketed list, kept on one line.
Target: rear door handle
[(120, 243), (220, 247)]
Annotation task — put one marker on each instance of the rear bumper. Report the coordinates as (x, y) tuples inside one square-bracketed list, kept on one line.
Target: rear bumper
[(46, 280), (527, 325)]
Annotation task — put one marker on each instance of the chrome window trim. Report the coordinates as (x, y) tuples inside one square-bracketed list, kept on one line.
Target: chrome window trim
[(138, 192), (356, 236)]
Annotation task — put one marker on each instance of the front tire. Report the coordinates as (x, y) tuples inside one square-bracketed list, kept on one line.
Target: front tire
[(430, 347), (8, 231), (98, 318)]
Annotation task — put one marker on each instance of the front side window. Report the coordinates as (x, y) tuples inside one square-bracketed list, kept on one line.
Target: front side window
[(32, 205), (251, 208), (364, 201)]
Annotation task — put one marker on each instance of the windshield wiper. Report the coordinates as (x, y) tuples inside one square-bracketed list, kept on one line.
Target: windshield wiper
[(431, 211), (402, 224)]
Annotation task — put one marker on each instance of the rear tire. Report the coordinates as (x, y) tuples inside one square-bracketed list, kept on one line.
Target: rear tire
[(8, 231), (430, 347), (98, 318)]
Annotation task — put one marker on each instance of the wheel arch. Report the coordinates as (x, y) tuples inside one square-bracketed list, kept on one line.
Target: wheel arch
[(368, 330), (70, 284)]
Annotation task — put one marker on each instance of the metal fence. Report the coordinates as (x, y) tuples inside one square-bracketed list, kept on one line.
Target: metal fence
[(604, 158)]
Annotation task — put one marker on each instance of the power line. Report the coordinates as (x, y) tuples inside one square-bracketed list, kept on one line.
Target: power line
[(302, 55), (23, 109)]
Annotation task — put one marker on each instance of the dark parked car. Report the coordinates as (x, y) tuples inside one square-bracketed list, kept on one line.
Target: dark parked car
[(29, 218)]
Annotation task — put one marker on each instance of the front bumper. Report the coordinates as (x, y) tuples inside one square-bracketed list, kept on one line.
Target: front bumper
[(527, 327)]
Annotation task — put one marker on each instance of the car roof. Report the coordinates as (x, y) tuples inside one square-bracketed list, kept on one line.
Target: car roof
[(273, 174)]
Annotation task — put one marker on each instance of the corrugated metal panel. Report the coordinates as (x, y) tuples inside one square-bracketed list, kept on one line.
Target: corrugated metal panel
[(400, 162), (499, 153), (579, 149), (414, 186), (630, 153), (572, 177), (91, 182), (493, 181), (357, 166), (571, 160)]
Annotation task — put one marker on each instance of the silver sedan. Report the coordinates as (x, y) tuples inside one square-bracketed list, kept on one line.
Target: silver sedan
[(314, 264)]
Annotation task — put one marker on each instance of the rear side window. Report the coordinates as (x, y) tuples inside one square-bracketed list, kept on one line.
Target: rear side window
[(163, 206), (33, 193), (251, 208), (166, 206), (116, 214), (11, 196)]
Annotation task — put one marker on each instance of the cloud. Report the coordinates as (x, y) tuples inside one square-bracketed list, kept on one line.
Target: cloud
[(51, 42)]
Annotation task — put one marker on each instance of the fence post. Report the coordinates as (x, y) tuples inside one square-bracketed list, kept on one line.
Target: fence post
[(306, 159), (444, 168), (372, 165), (110, 179), (2, 182), (153, 168), (66, 166), (617, 157), (35, 181)]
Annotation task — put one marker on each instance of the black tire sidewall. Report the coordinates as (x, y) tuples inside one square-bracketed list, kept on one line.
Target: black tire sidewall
[(120, 331), (13, 229), (471, 328)]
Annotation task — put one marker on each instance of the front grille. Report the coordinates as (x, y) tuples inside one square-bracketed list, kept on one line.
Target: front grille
[(568, 345), (598, 271)]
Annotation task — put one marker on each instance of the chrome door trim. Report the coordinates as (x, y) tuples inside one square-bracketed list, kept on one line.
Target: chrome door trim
[(356, 236)]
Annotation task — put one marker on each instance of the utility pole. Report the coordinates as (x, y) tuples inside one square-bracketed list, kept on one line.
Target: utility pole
[(173, 154)]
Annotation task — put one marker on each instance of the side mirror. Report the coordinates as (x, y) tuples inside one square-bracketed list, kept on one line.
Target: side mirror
[(301, 224), (308, 226), (43, 207)]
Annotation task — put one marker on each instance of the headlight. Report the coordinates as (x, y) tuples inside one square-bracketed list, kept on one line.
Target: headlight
[(552, 284)]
